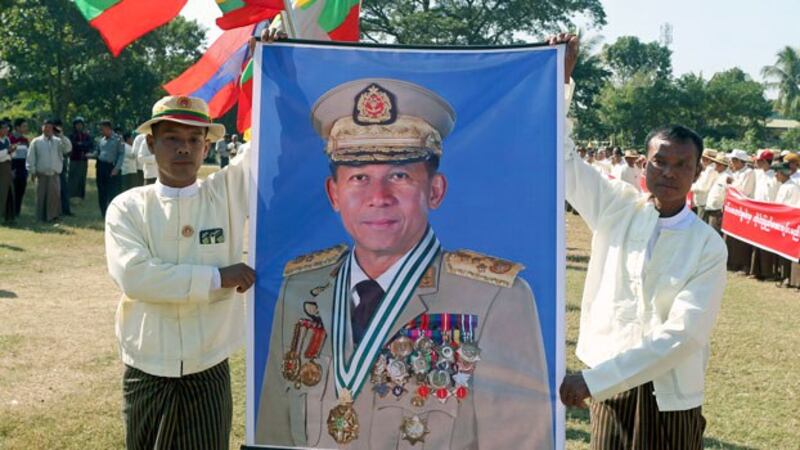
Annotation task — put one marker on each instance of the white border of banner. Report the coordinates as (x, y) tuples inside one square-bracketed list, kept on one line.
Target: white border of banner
[(560, 356)]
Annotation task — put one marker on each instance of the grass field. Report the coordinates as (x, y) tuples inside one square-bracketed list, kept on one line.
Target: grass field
[(60, 372)]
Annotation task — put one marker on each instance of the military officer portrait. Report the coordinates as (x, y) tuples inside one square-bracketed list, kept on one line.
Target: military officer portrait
[(395, 342)]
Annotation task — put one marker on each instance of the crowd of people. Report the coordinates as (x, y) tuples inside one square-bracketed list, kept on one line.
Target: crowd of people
[(767, 176), (58, 163)]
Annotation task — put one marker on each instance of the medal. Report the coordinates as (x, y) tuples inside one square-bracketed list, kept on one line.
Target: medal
[(343, 420), (469, 352), (311, 372), (401, 347), (414, 429), (290, 367)]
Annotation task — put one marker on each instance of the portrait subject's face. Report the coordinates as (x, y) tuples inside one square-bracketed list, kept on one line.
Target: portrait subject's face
[(672, 167), (384, 207)]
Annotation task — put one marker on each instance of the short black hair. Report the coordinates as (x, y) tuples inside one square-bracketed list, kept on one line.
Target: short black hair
[(49, 121), (679, 134), (431, 164), (106, 123), (19, 122), (618, 151)]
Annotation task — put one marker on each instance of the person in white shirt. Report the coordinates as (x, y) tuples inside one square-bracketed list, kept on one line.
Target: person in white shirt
[(763, 263), (743, 179), (766, 185), (145, 159), (175, 249), (703, 184), (718, 188), (129, 164), (788, 194), (602, 163), (45, 163), (653, 291), (793, 159), (233, 146), (222, 151), (628, 171)]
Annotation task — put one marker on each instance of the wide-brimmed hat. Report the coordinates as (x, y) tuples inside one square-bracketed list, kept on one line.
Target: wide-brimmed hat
[(709, 153), (782, 168), (631, 154), (185, 110), (792, 157), (741, 155)]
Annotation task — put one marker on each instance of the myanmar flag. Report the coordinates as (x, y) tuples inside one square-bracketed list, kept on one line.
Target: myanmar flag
[(238, 13), (121, 22), (335, 20)]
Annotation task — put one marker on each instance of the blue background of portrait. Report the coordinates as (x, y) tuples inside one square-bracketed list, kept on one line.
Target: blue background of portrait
[(501, 161)]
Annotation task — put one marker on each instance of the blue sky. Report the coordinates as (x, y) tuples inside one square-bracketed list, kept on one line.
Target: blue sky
[(708, 35)]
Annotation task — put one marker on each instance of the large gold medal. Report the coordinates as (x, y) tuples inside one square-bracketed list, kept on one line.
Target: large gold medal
[(343, 420)]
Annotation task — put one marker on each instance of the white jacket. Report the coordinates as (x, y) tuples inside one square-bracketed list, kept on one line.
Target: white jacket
[(644, 320), (170, 321)]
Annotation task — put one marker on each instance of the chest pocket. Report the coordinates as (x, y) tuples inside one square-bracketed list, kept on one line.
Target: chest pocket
[(306, 418), (213, 244), (388, 415)]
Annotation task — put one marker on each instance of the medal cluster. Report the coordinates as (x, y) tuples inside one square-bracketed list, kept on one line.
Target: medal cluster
[(428, 363), (308, 335)]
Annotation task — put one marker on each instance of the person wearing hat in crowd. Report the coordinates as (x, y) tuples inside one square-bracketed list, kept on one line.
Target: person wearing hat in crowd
[(718, 188), (110, 156), (763, 262), (788, 194), (82, 147), (174, 248), (627, 171), (602, 162), (701, 187), (461, 363), (743, 179), (793, 159), (45, 162)]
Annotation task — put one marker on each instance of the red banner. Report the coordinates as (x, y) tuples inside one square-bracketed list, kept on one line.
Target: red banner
[(770, 226)]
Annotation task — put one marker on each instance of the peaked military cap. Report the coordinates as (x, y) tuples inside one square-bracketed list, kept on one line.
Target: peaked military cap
[(381, 120)]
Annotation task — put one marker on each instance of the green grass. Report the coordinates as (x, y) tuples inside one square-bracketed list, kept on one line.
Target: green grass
[(60, 375)]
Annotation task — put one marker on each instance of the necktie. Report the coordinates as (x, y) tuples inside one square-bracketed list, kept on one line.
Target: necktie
[(370, 294)]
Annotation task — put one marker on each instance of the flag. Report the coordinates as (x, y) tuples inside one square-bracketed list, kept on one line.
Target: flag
[(244, 113), (215, 77), (335, 20), (239, 13), (121, 22)]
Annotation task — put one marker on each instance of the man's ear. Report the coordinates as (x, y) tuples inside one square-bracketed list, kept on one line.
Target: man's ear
[(333, 194), (151, 143), (438, 190)]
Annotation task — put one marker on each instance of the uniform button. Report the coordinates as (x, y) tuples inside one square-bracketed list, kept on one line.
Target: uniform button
[(187, 231)]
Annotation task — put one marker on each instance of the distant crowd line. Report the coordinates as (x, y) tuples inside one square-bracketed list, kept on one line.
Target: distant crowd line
[(57, 163)]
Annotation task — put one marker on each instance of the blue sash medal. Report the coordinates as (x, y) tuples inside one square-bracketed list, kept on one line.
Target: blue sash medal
[(351, 375)]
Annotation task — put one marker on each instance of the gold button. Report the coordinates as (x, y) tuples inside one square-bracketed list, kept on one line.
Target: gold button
[(187, 231)]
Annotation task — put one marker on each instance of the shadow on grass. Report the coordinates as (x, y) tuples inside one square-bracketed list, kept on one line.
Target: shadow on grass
[(13, 248), (7, 294), (582, 416), (715, 443)]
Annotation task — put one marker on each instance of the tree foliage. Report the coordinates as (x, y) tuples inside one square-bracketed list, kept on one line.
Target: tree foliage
[(785, 76), (54, 63), (629, 56), (470, 22)]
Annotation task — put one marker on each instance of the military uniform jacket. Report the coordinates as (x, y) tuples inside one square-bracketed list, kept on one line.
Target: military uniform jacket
[(509, 404)]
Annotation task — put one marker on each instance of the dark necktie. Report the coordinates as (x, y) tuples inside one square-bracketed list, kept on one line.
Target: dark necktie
[(370, 294)]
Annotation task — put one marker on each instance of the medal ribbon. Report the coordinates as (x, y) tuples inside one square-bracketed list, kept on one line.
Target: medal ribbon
[(352, 374)]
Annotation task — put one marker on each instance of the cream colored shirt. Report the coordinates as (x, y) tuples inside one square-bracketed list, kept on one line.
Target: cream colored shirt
[(163, 249), (644, 319), (46, 155), (744, 181), (630, 175), (766, 186), (145, 159), (789, 194), (703, 184), (716, 193), (129, 162)]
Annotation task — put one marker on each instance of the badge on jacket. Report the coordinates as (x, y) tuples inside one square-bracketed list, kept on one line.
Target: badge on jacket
[(212, 236)]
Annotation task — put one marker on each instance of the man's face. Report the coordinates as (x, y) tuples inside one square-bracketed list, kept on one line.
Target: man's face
[(47, 129), (671, 169), (782, 177), (720, 167), (384, 207), (630, 161), (793, 166), (736, 164), (78, 126), (616, 159), (179, 150), (762, 164), (105, 130), (3, 130), (23, 128)]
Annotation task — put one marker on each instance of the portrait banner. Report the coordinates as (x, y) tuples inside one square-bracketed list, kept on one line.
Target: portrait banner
[(407, 231), (769, 226)]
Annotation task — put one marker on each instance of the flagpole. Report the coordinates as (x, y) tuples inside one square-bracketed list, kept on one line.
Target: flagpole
[(288, 19)]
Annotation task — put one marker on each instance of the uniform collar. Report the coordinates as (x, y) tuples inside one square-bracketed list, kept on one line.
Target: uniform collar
[(358, 275), (679, 221), (173, 192)]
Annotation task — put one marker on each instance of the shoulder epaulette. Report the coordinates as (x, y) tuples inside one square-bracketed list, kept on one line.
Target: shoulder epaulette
[(477, 266), (314, 260)]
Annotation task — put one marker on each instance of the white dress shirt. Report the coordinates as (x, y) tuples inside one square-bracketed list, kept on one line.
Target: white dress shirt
[(766, 186), (358, 275), (744, 181), (789, 194)]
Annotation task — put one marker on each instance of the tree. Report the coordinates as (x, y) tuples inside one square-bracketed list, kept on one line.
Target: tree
[(735, 106), (628, 56), (592, 75), (470, 22), (790, 140), (786, 75), (49, 53)]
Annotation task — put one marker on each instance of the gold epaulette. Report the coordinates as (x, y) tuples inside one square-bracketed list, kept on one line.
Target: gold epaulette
[(477, 266), (314, 260)]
